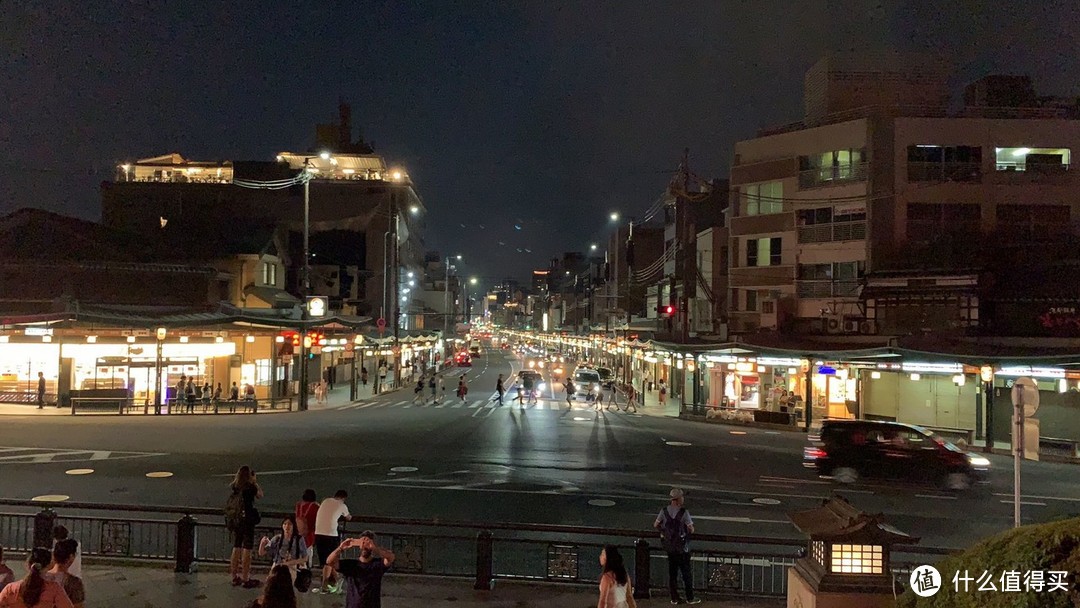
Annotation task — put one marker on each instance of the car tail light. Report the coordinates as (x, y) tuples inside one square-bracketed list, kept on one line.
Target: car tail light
[(814, 453)]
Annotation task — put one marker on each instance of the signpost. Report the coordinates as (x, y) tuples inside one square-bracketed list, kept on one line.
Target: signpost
[(1025, 398)]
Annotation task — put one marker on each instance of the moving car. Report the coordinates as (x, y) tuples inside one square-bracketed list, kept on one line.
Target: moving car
[(474, 348), (848, 450), (607, 377), (463, 359), (586, 384), (539, 386)]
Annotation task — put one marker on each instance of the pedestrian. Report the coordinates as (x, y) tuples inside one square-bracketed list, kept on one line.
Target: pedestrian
[(287, 548), (363, 375), (306, 512), (189, 395), (616, 590), (34, 590), (181, 389), (433, 385), (520, 398), (631, 398), (568, 385), (249, 395), (383, 371), (234, 396), (278, 592), (676, 526), (442, 388), (241, 517), (63, 556), (61, 533), (462, 388), (6, 574), (499, 390), (40, 390), (530, 389), (320, 390), (663, 392), (418, 392), (363, 576), (330, 378), (217, 396), (327, 536), (611, 394)]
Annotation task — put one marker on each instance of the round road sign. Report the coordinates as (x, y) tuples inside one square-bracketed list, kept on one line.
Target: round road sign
[(381, 323), (1025, 391)]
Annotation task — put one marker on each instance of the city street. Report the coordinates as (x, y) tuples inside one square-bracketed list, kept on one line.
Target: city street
[(477, 461)]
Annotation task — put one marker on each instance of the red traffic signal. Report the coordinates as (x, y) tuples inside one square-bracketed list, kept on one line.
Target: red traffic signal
[(666, 309)]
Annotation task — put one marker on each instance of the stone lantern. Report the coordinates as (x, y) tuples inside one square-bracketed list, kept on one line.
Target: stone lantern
[(847, 560)]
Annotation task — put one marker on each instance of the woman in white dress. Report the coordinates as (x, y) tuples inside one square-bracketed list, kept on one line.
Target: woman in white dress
[(616, 589)]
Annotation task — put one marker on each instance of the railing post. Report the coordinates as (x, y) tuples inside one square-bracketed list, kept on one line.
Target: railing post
[(642, 573), (44, 522), (485, 575), (185, 543)]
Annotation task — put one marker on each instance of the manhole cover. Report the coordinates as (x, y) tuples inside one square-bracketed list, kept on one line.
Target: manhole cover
[(50, 498), (602, 502), (678, 444), (766, 501), (404, 469), (79, 471), (159, 474)]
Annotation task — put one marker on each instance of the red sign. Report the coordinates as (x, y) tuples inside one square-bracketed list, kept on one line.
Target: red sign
[(381, 323)]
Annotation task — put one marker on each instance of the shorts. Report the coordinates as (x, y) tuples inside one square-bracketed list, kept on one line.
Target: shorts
[(244, 536), (324, 546)]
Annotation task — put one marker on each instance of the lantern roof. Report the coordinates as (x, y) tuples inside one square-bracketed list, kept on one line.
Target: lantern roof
[(838, 520)]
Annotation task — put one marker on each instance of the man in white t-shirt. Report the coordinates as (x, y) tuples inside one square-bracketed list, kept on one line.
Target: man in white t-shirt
[(326, 531)]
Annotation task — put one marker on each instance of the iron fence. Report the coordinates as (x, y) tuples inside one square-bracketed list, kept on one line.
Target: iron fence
[(482, 552)]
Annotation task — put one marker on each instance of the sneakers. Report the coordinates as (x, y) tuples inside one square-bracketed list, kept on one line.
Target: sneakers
[(237, 581), (694, 601)]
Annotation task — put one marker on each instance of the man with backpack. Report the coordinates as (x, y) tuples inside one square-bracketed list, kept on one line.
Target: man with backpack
[(675, 528)]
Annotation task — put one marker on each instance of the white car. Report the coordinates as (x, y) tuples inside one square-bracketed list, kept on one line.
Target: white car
[(586, 384)]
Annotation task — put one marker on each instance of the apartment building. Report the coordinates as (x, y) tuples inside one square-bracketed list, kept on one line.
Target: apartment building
[(881, 176)]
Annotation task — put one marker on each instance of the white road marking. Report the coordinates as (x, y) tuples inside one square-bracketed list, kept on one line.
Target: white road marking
[(1026, 502), (941, 496), (741, 520), (1040, 497), (758, 493), (368, 404), (476, 404), (48, 455)]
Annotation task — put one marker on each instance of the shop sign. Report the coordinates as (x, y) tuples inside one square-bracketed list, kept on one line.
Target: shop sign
[(317, 306), (1060, 317), (38, 331), (825, 370)]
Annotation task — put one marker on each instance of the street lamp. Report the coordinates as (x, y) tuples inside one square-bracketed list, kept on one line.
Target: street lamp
[(614, 216), (986, 374), (160, 334), (592, 247)]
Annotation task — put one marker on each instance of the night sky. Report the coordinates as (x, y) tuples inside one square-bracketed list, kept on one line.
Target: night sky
[(545, 115)]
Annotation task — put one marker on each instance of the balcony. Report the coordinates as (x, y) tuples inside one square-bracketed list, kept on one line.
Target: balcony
[(832, 176), (833, 232), (827, 289), (1010, 174), (944, 172)]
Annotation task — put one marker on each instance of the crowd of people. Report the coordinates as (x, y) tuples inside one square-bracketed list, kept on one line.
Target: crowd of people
[(53, 576)]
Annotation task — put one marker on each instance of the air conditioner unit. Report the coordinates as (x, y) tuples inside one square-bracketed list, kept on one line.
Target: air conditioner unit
[(867, 327), (834, 324), (851, 326)]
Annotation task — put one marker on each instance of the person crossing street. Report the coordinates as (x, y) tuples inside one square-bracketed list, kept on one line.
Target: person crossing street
[(499, 390)]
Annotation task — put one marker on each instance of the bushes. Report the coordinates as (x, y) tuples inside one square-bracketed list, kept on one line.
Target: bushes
[(1050, 546)]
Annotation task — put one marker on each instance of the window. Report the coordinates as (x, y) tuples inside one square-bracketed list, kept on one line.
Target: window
[(269, 273), (1032, 222), (764, 198), (764, 252), (930, 163), (1044, 160), (768, 307), (857, 559), (833, 166), (838, 279), (828, 215), (927, 222), (751, 300)]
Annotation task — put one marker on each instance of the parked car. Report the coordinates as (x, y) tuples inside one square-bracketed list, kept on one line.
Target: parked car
[(848, 450), (586, 384)]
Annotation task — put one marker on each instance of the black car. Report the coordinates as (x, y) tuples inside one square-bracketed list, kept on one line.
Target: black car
[(848, 450), (607, 377)]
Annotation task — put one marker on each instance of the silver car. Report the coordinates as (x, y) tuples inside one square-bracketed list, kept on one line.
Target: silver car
[(586, 384)]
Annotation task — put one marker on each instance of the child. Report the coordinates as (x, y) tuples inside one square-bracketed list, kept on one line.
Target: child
[(6, 575)]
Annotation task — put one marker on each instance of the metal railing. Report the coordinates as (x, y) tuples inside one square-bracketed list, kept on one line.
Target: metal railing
[(832, 175), (481, 552), (832, 232)]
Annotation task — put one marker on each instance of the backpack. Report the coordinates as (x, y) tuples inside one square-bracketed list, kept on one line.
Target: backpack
[(673, 532), (234, 510)]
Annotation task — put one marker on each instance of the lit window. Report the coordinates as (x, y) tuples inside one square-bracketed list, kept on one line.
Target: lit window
[(764, 252), (764, 198), (857, 559), (1032, 159), (269, 273)]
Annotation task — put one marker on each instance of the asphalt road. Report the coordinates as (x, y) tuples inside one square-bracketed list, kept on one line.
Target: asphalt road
[(477, 461)]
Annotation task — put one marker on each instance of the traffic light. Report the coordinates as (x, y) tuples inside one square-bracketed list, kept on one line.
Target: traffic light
[(666, 310)]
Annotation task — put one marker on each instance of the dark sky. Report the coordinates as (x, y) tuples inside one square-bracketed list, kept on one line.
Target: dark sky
[(543, 114)]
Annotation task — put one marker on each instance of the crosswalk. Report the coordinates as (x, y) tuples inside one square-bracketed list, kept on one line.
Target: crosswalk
[(454, 403)]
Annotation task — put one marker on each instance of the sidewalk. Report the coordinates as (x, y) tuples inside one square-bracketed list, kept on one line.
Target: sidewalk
[(151, 587)]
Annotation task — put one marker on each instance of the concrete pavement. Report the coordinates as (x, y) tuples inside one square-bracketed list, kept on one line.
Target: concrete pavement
[(112, 586)]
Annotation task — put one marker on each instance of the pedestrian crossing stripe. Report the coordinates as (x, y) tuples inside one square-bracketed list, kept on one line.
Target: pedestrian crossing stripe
[(480, 405)]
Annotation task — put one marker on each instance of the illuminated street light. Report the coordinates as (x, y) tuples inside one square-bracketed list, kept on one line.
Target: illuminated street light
[(473, 281), (414, 209), (324, 155), (412, 283), (459, 257), (410, 275), (592, 247), (396, 175), (614, 216)]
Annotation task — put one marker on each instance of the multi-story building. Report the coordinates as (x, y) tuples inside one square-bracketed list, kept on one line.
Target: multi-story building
[(881, 175), (356, 203)]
